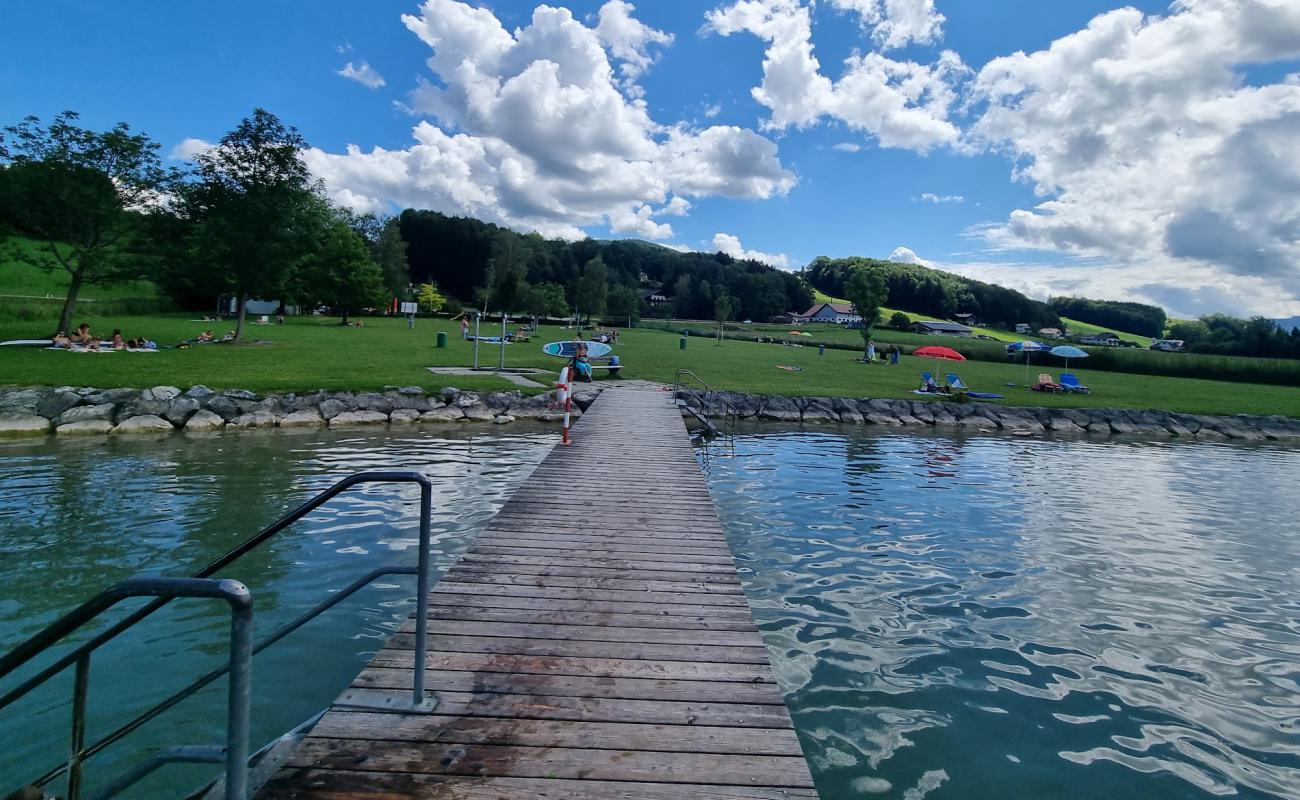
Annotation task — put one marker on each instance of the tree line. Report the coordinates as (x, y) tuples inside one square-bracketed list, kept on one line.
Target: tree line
[(245, 219), (1220, 334), (922, 290), (496, 268), (1121, 317)]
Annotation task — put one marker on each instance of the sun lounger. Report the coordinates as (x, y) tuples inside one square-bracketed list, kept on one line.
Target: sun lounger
[(1046, 384), (954, 383), (1071, 383), (927, 383)]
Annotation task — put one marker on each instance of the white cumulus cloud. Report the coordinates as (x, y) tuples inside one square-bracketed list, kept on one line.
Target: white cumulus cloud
[(931, 197), (533, 128), (363, 74), (726, 243), (846, 147), (896, 23), (906, 255), (902, 104), (187, 149), (1152, 152)]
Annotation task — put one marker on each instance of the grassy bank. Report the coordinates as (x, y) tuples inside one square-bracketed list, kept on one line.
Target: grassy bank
[(1284, 372), (317, 353)]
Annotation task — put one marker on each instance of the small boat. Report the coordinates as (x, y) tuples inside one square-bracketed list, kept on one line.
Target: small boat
[(570, 349)]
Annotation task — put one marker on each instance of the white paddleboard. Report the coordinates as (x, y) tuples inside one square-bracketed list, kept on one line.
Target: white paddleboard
[(28, 343), (569, 349)]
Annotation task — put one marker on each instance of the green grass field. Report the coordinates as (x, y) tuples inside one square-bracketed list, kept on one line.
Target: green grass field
[(1078, 328), (310, 353), (20, 280)]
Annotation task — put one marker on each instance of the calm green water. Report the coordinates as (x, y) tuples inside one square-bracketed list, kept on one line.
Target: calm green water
[(76, 516), (1008, 618)]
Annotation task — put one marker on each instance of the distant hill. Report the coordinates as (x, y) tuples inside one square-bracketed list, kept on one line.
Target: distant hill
[(1288, 323), (923, 290)]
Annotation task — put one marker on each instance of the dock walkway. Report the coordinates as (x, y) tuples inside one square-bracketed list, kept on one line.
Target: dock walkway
[(593, 643)]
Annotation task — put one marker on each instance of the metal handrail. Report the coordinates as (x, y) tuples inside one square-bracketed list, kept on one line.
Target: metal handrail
[(732, 413), (80, 656)]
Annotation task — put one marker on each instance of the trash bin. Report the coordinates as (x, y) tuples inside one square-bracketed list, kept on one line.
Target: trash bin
[(681, 343), (442, 338), (821, 349)]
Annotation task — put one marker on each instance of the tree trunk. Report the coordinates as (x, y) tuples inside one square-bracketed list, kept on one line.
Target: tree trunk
[(70, 302), (239, 324), (345, 316)]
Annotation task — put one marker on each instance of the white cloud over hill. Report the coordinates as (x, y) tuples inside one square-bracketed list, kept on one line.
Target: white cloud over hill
[(726, 243), (534, 129)]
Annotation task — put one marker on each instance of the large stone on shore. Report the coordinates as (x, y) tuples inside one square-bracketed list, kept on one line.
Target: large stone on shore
[(405, 400), (145, 423), (307, 418), (1064, 425), (533, 406), (922, 411), (1014, 419), (58, 402), (449, 394), (140, 408), (86, 426), (977, 422), (473, 408), (447, 413), (199, 392), (847, 411), (501, 402), (744, 405), (503, 419), (819, 409), (81, 413), (240, 394), (780, 409), (404, 416), (362, 417), (19, 423), (255, 419), (160, 393), (370, 401), (332, 407), (204, 420), (21, 401), (223, 407), (584, 396), (180, 409), (110, 396)]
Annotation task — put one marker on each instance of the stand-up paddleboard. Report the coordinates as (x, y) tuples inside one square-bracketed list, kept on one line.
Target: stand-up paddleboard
[(570, 349), (28, 343)]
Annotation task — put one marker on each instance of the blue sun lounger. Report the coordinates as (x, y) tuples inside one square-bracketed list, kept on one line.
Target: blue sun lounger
[(1071, 383), (954, 382)]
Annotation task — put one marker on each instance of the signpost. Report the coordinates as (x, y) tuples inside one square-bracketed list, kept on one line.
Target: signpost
[(410, 310)]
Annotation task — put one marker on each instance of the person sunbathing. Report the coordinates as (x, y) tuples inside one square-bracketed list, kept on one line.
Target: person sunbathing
[(118, 344), (61, 340), (205, 337), (81, 335)]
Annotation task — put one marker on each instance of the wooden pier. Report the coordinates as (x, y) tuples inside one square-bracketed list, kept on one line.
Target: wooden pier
[(594, 643)]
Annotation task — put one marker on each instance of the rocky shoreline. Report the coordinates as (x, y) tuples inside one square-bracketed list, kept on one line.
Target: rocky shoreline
[(1021, 420), (163, 409)]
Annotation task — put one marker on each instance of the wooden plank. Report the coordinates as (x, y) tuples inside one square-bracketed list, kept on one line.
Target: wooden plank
[(552, 762), (657, 688), (318, 784), (581, 648)]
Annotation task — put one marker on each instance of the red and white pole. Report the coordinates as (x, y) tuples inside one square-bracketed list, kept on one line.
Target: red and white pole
[(565, 395)]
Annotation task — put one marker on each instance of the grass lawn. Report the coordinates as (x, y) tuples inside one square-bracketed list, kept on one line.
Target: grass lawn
[(310, 353), (1078, 328), (18, 279)]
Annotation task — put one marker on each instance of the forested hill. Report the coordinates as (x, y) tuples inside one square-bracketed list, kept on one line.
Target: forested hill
[(466, 257), (921, 290), (1138, 318)]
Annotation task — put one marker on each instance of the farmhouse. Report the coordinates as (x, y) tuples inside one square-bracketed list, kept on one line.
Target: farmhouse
[(1104, 338), (841, 313), (934, 327)]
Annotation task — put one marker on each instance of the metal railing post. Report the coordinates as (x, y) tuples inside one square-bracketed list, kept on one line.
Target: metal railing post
[(240, 692), (422, 599), (80, 686)]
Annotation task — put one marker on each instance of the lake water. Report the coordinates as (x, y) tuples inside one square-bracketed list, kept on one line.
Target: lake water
[(980, 617), (77, 515), (994, 617)]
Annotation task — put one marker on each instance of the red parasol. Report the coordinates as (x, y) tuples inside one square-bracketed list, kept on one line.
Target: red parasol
[(939, 352)]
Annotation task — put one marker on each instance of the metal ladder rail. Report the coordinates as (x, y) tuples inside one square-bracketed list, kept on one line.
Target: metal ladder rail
[(730, 414), (56, 631)]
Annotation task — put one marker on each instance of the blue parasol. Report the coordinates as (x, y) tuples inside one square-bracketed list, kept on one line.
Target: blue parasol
[(1068, 352), (1026, 347)]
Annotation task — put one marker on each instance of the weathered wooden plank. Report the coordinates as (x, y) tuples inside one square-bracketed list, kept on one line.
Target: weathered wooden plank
[(591, 709), (658, 688), (531, 646), (547, 594), (725, 573), (575, 665), (552, 762), (552, 733), (671, 587), (580, 632), (651, 617), (318, 784)]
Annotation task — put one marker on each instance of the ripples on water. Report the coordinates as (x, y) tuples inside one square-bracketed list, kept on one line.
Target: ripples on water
[(1007, 618), (78, 515)]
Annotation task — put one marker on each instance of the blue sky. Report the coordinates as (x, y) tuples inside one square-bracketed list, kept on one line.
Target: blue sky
[(878, 125)]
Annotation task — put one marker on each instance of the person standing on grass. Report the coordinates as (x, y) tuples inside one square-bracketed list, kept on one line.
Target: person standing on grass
[(894, 353), (464, 327), (871, 351)]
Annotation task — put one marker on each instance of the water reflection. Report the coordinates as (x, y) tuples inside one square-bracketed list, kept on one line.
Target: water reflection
[(996, 617), (77, 515)]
